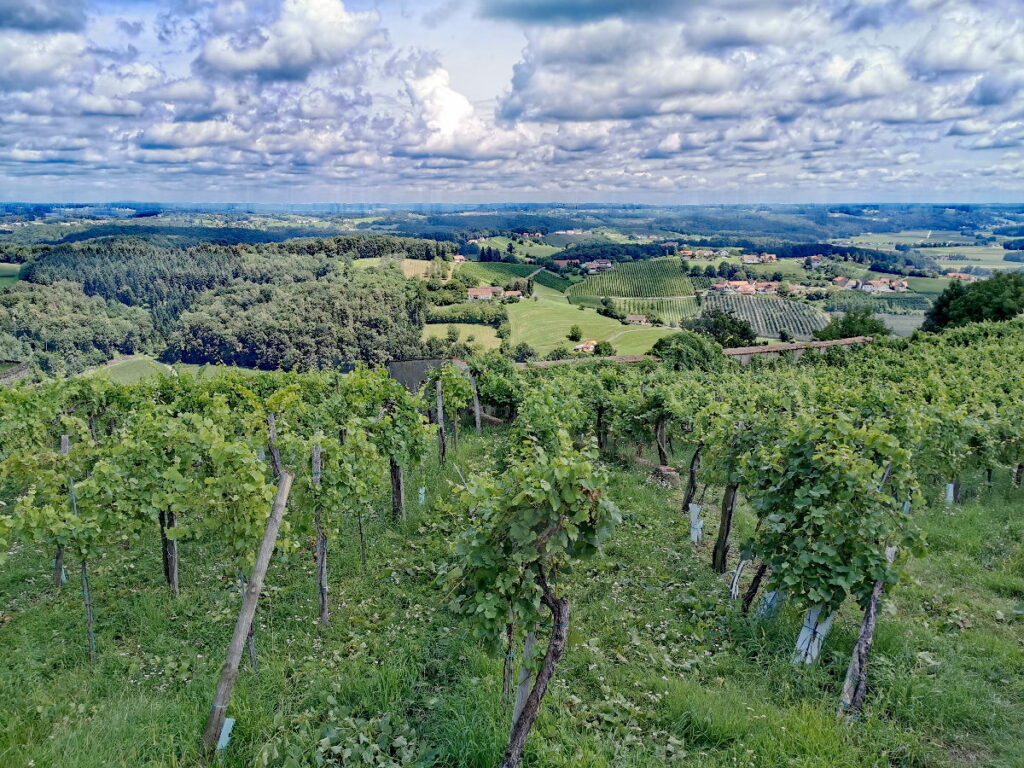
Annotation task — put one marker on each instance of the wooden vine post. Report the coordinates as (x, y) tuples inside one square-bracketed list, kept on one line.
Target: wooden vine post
[(855, 685), (229, 672), (59, 576), (397, 490), (476, 402), (442, 446), (321, 542), (721, 550)]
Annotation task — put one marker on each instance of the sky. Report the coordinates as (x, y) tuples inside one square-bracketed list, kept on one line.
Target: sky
[(646, 101)]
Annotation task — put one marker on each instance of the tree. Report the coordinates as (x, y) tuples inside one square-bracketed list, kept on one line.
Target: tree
[(531, 523), (724, 327), (1000, 298), (604, 349), (686, 350), (575, 333), (523, 352), (855, 322)]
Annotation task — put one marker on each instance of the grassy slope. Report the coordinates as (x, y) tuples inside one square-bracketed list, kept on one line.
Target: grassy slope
[(129, 369), (544, 323), (659, 662), (532, 248), (486, 336), (410, 267)]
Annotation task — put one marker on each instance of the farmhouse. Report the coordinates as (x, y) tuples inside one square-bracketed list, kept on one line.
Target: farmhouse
[(637, 320), (586, 346), (746, 287), (814, 262), (963, 276), (485, 294), (597, 265), (458, 258), (885, 286), (688, 254), (563, 263), (513, 295), (750, 258), (846, 283)]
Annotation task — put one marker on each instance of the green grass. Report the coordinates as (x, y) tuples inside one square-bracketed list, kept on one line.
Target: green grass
[(532, 249), (131, 369), (791, 269), (9, 273), (543, 324), (638, 279), (661, 668), (929, 286), (496, 272), (671, 311), (410, 267), (483, 335)]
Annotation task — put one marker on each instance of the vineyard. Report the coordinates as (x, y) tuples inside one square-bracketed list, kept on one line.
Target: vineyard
[(769, 315), (637, 279), (672, 311), (897, 303), (327, 569)]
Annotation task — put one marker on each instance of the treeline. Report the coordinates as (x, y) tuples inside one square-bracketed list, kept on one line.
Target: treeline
[(369, 316), (612, 252), (64, 331)]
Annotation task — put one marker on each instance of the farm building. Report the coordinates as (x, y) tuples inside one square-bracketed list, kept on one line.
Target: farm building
[(585, 346), (485, 294), (962, 276), (637, 320)]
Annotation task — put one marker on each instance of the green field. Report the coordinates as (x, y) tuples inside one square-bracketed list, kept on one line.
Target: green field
[(9, 273), (791, 269), (483, 335), (532, 248), (410, 267), (495, 272), (889, 240), (983, 256), (662, 278), (544, 321), (131, 369), (672, 311), (928, 286), (768, 315)]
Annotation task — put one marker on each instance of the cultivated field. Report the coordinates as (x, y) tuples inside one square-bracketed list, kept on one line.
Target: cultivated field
[(532, 248), (768, 315), (661, 278), (672, 311)]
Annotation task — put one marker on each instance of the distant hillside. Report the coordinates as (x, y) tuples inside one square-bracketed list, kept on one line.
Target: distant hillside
[(639, 279)]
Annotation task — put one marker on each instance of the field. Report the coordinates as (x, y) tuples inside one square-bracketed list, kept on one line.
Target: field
[(661, 670), (532, 248), (984, 256), (410, 267), (768, 315), (791, 269), (661, 278), (9, 273), (672, 311), (544, 322), (898, 303), (483, 335), (496, 272), (551, 280), (928, 286), (131, 369), (901, 325)]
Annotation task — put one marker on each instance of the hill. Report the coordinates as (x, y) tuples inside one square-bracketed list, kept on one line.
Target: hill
[(638, 279)]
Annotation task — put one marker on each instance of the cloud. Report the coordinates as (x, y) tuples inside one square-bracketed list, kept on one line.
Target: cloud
[(307, 34), (30, 61), (42, 15), (195, 134)]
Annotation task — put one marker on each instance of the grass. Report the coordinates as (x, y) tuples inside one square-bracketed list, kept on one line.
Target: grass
[(496, 272), (9, 273), (532, 249), (483, 335), (131, 369), (661, 668), (543, 324), (411, 268), (929, 286), (638, 279)]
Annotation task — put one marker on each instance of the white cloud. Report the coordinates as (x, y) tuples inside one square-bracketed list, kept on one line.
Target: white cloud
[(29, 61), (306, 35)]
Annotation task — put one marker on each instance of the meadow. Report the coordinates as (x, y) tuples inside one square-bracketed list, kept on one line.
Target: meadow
[(544, 321), (483, 335)]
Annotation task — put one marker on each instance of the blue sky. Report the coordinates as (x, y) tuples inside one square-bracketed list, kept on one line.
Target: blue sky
[(662, 101)]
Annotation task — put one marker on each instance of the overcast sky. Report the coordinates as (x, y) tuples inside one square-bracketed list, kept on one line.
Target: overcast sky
[(672, 101)]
